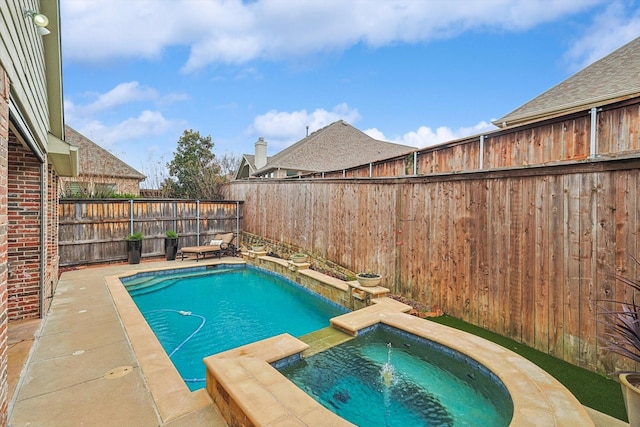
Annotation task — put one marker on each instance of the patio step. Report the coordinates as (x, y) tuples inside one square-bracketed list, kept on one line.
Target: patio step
[(323, 339)]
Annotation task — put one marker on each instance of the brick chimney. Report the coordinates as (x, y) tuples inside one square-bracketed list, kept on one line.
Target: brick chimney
[(261, 153)]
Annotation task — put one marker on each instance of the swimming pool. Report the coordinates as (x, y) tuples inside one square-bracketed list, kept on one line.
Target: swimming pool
[(198, 312), (391, 378)]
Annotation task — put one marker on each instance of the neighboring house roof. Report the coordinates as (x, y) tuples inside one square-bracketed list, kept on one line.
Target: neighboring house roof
[(96, 161), (613, 78), (336, 146), (247, 166)]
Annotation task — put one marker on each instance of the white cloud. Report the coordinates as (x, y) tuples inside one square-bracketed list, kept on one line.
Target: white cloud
[(231, 31), (609, 31), (425, 136), (87, 118), (123, 93), (147, 125), (281, 129)]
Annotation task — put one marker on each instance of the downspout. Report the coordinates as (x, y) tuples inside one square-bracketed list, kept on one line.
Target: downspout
[(415, 163), (481, 154), (43, 237)]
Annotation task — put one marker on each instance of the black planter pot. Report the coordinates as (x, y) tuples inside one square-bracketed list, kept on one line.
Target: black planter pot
[(134, 251), (170, 248)]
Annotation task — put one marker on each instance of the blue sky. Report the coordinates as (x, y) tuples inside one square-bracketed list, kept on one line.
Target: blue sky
[(137, 73)]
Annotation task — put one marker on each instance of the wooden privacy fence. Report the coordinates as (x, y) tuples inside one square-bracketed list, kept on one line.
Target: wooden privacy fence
[(607, 131), (93, 230), (523, 252)]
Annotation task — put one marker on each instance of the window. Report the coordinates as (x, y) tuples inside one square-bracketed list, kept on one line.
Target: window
[(104, 190), (76, 190)]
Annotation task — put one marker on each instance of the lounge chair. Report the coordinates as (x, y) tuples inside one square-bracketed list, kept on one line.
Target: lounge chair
[(222, 244)]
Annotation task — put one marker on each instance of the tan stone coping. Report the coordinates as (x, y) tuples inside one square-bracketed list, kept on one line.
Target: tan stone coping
[(168, 390), (323, 278), (264, 395), (282, 262), (354, 321), (270, 398), (373, 290), (538, 398)]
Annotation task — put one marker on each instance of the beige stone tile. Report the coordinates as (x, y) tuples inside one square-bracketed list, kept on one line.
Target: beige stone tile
[(257, 402), (175, 403), (227, 371), (292, 398), (322, 417), (208, 416), (287, 421), (269, 349), (260, 370), (604, 420)]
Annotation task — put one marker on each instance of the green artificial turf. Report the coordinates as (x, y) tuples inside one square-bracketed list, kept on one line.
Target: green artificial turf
[(593, 390)]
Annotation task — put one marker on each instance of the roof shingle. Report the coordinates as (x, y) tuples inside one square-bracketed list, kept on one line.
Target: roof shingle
[(336, 146), (612, 78), (96, 161)]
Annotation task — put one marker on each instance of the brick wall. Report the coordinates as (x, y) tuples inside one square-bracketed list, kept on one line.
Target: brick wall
[(4, 136), (25, 220)]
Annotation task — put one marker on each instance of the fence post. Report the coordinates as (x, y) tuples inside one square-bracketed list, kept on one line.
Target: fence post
[(238, 223), (198, 222), (481, 153), (594, 123), (131, 216), (175, 216)]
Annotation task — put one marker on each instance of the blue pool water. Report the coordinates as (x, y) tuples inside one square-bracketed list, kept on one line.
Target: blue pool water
[(390, 378), (203, 312)]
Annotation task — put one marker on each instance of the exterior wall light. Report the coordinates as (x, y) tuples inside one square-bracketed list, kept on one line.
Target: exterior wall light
[(40, 21)]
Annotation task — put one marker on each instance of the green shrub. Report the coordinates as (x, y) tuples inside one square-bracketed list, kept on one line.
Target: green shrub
[(135, 236)]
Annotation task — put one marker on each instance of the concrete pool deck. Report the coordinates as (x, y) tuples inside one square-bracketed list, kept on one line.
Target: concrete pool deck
[(82, 368)]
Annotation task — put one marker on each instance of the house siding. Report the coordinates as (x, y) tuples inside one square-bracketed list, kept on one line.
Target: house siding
[(22, 57)]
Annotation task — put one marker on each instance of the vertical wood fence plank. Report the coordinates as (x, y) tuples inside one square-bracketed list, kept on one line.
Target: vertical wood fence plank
[(513, 286), (571, 330), (588, 203), (557, 265), (528, 261), (610, 212)]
